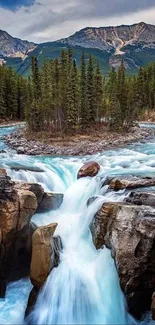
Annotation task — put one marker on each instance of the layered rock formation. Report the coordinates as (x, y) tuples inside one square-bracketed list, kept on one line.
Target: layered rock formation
[(18, 202), (129, 231), (130, 182)]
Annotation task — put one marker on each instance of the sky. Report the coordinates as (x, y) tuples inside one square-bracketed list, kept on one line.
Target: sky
[(49, 20)]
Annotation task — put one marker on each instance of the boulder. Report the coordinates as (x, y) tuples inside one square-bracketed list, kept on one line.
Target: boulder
[(153, 306), (50, 201), (45, 254), (21, 150), (130, 182), (91, 169), (141, 198), (3, 171), (129, 231), (35, 188)]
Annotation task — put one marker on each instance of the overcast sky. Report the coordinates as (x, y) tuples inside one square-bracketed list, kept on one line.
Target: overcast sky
[(48, 20)]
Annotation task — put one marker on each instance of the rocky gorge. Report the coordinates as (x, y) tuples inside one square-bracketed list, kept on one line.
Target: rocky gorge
[(127, 228), (122, 220)]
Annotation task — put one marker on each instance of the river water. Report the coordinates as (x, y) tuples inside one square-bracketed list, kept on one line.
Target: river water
[(84, 289)]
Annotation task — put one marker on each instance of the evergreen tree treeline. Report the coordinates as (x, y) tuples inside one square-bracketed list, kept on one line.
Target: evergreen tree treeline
[(62, 97), (66, 98), (13, 94)]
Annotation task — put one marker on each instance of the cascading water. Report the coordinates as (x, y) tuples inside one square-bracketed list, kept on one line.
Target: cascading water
[(84, 288)]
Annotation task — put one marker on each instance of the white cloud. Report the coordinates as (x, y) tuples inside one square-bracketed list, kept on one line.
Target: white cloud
[(49, 20)]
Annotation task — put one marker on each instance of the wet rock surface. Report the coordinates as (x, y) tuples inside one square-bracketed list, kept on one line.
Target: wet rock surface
[(79, 146), (50, 201), (44, 254), (3, 171), (89, 169), (130, 182), (141, 198), (45, 257), (18, 203), (129, 231)]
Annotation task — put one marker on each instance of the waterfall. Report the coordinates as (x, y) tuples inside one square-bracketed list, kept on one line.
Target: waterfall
[(84, 288)]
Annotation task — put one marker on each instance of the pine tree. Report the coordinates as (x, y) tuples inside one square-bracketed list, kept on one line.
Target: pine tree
[(35, 117), (91, 113), (84, 118), (2, 92), (122, 93), (72, 99), (114, 115), (99, 104)]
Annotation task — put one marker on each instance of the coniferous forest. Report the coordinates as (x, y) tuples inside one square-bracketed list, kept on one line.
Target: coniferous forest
[(63, 97)]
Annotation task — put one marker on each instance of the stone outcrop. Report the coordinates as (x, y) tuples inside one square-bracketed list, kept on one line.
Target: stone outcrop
[(3, 171), (44, 254), (141, 198), (35, 188), (50, 201), (129, 231), (130, 182), (89, 169), (18, 202)]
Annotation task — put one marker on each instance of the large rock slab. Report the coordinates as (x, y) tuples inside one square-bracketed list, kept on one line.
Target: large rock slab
[(129, 231), (45, 254), (130, 182), (35, 188), (141, 198), (3, 171), (27, 207), (50, 201), (91, 169)]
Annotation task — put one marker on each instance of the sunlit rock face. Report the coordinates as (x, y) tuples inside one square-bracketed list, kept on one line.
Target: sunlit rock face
[(14, 47), (42, 247), (116, 38)]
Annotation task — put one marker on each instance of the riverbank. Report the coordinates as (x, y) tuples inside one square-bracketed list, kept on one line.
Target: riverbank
[(92, 143), (7, 124)]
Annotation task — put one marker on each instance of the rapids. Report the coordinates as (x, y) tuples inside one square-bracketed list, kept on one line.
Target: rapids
[(84, 288)]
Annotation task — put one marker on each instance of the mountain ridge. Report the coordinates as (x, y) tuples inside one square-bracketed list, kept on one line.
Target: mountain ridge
[(134, 43)]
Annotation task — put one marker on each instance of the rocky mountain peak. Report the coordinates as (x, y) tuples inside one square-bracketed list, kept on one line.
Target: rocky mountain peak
[(14, 47)]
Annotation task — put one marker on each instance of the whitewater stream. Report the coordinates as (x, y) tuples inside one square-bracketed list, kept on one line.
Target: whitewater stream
[(84, 288)]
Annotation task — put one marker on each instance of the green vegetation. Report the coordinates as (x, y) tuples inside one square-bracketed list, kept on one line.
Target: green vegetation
[(63, 97), (13, 94), (69, 99)]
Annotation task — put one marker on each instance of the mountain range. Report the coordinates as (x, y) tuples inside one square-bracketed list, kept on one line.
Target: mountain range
[(135, 44)]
